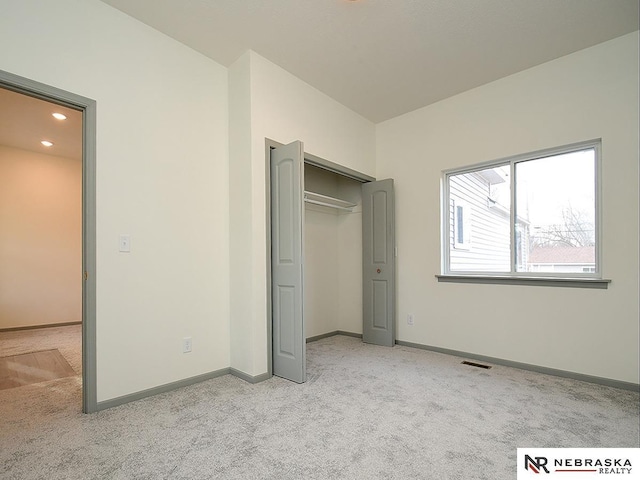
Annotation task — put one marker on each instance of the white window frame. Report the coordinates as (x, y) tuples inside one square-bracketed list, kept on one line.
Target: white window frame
[(446, 227)]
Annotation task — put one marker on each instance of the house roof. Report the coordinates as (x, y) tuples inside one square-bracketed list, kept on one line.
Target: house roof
[(560, 255)]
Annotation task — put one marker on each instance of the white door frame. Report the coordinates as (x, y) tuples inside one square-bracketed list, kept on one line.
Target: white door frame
[(87, 106)]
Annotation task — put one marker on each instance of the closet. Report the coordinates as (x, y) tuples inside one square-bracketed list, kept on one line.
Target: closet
[(332, 272), (332, 256)]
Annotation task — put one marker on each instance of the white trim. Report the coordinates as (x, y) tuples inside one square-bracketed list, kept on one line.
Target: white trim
[(546, 152), (446, 226), (327, 201)]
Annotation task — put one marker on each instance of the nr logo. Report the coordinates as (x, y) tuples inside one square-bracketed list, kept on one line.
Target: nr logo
[(535, 464)]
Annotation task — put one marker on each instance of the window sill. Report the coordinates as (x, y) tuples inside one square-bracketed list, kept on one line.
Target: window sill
[(535, 281)]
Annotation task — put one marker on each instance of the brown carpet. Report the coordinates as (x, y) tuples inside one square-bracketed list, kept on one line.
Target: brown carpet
[(33, 367)]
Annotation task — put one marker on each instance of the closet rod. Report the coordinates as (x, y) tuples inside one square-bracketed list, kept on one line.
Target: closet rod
[(324, 204)]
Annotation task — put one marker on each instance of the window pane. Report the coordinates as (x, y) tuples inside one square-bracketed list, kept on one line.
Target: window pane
[(459, 222), (555, 213), (479, 235)]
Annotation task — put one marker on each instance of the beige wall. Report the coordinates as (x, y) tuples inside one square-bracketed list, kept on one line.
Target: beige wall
[(350, 259), (321, 287), (320, 271), (332, 257), (40, 239), (590, 94), (332, 270), (162, 163), (268, 102), (172, 173)]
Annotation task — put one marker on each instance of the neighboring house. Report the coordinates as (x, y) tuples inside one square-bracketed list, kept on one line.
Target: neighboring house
[(562, 259), (480, 236)]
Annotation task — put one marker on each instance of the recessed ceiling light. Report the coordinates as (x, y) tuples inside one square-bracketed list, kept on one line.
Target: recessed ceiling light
[(59, 116), (47, 143)]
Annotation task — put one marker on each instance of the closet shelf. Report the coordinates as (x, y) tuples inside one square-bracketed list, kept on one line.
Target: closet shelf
[(326, 201)]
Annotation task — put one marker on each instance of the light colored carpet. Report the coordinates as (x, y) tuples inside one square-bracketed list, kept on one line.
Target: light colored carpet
[(366, 412)]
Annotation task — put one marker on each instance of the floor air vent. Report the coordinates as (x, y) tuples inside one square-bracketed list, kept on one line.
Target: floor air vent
[(479, 365)]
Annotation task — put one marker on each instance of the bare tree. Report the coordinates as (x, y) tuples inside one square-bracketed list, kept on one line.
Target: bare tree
[(576, 230)]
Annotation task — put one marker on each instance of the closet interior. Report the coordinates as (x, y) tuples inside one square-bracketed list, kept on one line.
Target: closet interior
[(332, 252)]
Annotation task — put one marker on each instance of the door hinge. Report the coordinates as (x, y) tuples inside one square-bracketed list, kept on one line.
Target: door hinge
[(85, 275)]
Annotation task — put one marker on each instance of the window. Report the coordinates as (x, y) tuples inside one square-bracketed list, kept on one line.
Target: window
[(461, 225), (531, 215)]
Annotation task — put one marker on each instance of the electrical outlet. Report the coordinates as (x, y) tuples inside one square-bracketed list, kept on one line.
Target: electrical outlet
[(410, 319), (124, 243), (186, 345)]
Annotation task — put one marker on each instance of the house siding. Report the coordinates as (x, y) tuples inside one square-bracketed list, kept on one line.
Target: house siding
[(489, 246)]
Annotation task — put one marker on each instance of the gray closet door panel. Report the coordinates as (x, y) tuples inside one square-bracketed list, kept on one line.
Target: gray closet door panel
[(378, 263), (285, 308), (380, 307), (287, 220), (379, 200)]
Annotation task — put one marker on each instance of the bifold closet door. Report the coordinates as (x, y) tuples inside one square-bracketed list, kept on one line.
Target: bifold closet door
[(378, 263), (287, 222)]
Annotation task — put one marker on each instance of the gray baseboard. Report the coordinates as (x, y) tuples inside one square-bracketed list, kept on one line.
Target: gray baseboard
[(634, 387), (249, 378), (315, 338), (349, 334), (132, 397), (114, 402)]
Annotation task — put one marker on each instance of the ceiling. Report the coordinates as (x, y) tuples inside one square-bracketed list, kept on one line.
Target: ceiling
[(25, 121), (383, 58)]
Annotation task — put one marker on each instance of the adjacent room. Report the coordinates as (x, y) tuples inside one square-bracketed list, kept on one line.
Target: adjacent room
[(341, 239), (40, 240)]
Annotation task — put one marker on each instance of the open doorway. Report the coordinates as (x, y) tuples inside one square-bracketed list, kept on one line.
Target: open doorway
[(47, 242)]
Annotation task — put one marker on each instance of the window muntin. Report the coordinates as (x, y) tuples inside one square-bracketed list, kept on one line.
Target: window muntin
[(550, 231)]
